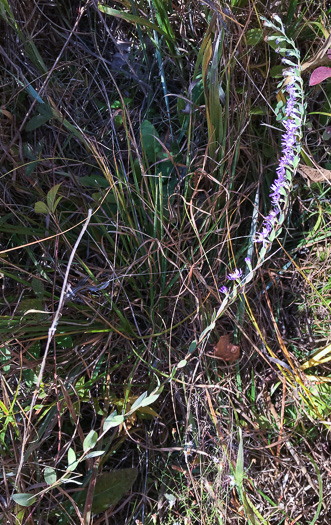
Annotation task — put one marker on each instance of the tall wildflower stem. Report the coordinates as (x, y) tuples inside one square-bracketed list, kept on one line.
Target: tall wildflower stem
[(292, 116)]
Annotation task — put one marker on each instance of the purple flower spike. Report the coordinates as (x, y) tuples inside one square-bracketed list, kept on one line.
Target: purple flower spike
[(235, 275), (248, 261), (283, 182), (223, 290)]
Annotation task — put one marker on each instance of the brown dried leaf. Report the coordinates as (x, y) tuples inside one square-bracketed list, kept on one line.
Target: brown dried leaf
[(314, 174), (225, 350)]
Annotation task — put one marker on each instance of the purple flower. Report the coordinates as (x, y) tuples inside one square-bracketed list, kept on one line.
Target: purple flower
[(262, 236), (223, 289), (272, 218), (248, 261), (235, 275), (282, 184)]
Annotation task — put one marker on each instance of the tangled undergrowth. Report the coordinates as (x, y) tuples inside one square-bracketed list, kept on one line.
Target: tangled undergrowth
[(140, 141)]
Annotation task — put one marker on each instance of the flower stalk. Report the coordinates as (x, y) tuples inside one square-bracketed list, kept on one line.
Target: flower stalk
[(292, 115)]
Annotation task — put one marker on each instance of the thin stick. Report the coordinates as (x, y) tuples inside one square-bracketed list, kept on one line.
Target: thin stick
[(51, 333)]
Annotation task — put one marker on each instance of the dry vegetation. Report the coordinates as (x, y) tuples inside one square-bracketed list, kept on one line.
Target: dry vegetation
[(160, 120)]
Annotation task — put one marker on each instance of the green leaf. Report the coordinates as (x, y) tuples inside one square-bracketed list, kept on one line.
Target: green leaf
[(24, 499), (192, 347), (95, 454), (38, 288), (182, 363), (144, 401), (239, 472), (36, 122), (254, 36), (90, 440), (276, 71), (56, 203), (109, 488), (112, 421), (46, 110), (40, 207), (51, 196), (138, 402), (149, 400), (45, 114), (72, 462), (50, 475), (93, 181), (150, 145)]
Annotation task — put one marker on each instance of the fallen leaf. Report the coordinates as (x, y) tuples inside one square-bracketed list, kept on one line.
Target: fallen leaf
[(319, 74), (314, 174), (225, 350)]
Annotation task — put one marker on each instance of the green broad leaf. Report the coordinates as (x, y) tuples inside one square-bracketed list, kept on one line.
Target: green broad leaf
[(46, 110), (51, 196), (45, 114), (110, 487), (147, 401), (36, 122), (254, 36), (276, 71), (50, 475), (24, 499), (72, 462), (38, 287), (112, 421), (192, 347), (41, 207), (138, 402), (90, 440), (56, 203), (95, 454), (149, 143), (182, 363), (93, 181)]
